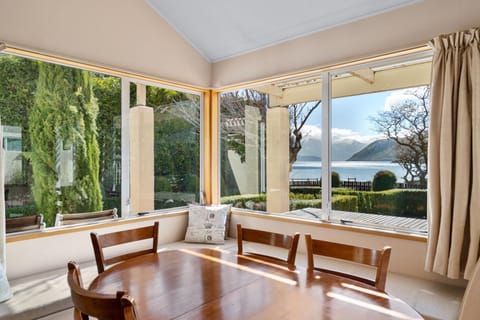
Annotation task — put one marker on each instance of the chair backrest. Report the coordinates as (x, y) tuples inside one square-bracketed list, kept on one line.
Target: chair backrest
[(289, 242), (470, 308), (74, 218), (117, 306), (378, 259), (24, 223), (103, 241)]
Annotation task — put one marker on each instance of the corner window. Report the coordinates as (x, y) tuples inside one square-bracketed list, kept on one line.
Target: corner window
[(63, 137), (359, 159)]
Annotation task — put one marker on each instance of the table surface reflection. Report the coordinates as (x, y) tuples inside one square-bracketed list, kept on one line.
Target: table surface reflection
[(215, 284)]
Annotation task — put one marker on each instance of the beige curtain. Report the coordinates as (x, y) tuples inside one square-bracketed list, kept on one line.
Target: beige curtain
[(454, 155)]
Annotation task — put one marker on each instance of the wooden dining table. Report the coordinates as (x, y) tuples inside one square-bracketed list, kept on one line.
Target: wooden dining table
[(216, 284)]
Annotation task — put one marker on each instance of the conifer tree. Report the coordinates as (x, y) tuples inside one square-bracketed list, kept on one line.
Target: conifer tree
[(63, 117)]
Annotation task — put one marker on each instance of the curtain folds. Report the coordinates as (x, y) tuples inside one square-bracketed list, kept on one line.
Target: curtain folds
[(454, 155)]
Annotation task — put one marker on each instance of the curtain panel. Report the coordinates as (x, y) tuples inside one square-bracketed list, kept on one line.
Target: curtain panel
[(454, 155)]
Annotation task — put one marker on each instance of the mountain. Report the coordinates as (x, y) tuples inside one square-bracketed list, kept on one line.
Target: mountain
[(341, 150), (344, 149), (379, 150)]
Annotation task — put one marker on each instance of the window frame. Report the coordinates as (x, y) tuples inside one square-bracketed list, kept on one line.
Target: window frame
[(125, 79), (327, 75)]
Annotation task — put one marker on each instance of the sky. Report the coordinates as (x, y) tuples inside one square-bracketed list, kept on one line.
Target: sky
[(350, 116)]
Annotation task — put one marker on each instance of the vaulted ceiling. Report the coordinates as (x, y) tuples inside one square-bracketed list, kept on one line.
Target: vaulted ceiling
[(221, 29)]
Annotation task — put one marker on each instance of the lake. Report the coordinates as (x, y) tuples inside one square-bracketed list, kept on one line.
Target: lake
[(361, 170)]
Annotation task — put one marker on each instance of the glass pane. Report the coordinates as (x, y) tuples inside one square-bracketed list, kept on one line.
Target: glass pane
[(271, 151), (242, 154), (306, 158), (62, 136), (379, 150), (176, 147)]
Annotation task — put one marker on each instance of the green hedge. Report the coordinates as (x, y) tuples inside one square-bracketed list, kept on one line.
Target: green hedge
[(345, 203), (306, 190), (296, 204), (26, 210)]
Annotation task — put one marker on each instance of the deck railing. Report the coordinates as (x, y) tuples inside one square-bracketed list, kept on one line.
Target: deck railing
[(352, 184)]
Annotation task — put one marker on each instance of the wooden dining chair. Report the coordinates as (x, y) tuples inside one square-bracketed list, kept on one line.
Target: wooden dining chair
[(100, 242), (279, 240), (87, 304), (378, 259)]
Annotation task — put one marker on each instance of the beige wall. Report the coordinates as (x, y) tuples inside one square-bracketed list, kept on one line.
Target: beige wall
[(407, 258), (130, 36), (53, 251), (397, 30), (126, 35)]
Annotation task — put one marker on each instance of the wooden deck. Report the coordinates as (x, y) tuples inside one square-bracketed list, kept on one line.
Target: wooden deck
[(401, 224)]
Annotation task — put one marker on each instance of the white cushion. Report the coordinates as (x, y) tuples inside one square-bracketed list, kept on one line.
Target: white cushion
[(206, 224)]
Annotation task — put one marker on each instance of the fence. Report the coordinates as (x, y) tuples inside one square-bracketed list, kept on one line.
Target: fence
[(352, 184)]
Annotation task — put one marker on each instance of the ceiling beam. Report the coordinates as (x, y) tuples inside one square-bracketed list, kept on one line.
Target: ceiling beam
[(366, 75), (389, 79), (270, 89)]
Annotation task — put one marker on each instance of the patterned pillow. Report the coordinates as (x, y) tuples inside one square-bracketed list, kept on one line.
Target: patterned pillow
[(206, 224)]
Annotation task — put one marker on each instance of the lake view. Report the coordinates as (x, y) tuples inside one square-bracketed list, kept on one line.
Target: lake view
[(361, 170)]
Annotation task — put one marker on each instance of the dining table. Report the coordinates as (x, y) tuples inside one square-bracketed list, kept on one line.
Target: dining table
[(209, 283)]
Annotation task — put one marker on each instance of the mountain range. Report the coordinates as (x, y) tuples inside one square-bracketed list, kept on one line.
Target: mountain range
[(350, 150)]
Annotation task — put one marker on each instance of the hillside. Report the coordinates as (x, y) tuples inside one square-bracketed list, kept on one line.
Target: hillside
[(379, 150), (341, 150)]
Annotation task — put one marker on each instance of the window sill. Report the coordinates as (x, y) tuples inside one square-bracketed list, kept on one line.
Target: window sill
[(352, 227), (53, 231)]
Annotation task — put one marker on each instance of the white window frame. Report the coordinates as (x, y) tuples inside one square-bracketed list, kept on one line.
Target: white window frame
[(327, 121)]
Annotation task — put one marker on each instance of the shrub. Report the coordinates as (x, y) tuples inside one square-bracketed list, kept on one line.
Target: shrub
[(335, 180), (247, 201), (384, 180), (162, 184)]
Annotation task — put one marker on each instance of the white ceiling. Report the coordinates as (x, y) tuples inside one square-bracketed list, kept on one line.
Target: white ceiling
[(221, 29)]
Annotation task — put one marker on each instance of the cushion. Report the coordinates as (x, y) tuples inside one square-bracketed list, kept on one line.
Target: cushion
[(206, 224)]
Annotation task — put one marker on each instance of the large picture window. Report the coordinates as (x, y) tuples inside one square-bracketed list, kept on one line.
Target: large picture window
[(62, 138), (369, 142)]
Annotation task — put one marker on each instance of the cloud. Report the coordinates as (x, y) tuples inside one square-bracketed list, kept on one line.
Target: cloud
[(311, 132), (398, 97)]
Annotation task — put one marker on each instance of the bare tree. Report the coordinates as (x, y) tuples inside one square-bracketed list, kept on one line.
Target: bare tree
[(299, 114), (407, 124)]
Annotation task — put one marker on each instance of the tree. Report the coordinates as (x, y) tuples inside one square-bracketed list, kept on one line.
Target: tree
[(299, 114), (107, 91), (407, 124), (63, 117), (177, 141), (18, 84)]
